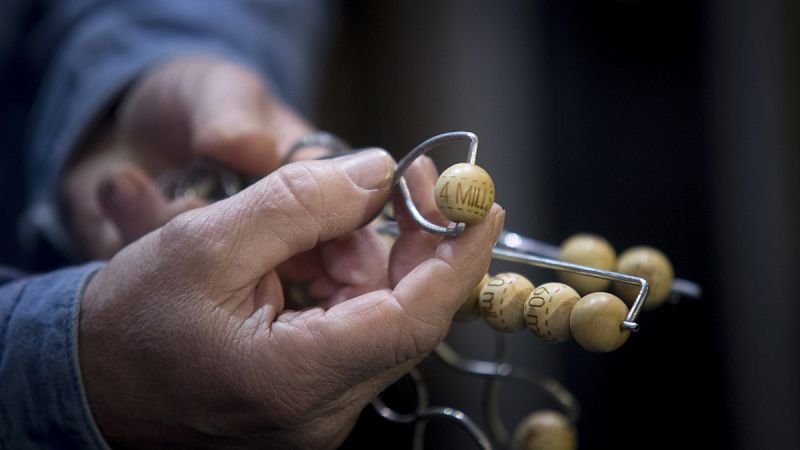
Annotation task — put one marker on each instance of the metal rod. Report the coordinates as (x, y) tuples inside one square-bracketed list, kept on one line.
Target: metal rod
[(548, 263), (515, 241), (428, 145), (518, 256), (686, 288), (491, 408), (505, 370), (454, 229), (432, 413), (422, 404)]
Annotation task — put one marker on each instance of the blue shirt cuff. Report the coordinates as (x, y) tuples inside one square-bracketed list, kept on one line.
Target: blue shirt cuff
[(42, 400)]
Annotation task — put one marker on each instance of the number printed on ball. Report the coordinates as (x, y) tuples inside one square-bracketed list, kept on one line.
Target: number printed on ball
[(464, 193), (502, 301), (547, 311)]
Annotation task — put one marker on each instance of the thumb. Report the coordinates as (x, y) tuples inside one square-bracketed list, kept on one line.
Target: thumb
[(284, 214)]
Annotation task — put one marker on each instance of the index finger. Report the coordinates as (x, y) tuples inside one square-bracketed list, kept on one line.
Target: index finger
[(386, 329)]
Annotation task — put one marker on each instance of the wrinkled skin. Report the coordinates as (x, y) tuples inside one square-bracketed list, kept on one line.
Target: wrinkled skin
[(186, 108), (187, 338)]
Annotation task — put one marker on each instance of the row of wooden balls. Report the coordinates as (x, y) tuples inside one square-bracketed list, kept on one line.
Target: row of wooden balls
[(555, 312), (465, 193), (641, 261)]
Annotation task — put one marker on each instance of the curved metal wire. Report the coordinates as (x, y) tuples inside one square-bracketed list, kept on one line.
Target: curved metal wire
[(498, 252), (510, 247), (505, 370), (451, 230), (428, 145), (548, 263), (418, 442), (454, 229), (491, 404), (494, 371), (424, 413)]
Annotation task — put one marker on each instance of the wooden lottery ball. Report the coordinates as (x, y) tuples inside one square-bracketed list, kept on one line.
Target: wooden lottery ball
[(587, 250), (502, 301), (469, 311), (464, 193), (595, 322), (545, 430), (547, 311), (653, 266)]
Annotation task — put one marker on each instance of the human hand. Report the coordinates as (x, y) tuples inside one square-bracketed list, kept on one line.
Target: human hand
[(185, 342), (186, 108)]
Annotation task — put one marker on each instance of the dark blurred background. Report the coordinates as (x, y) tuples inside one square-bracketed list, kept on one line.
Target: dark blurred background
[(667, 123)]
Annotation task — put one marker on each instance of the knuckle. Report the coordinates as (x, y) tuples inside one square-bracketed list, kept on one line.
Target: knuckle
[(198, 234), (420, 339), (301, 187), (417, 336), (295, 197)]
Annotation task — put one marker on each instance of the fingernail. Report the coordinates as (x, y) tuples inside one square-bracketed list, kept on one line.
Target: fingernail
[(369, 169)]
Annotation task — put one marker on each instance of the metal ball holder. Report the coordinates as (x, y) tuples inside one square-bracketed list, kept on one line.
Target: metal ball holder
[(517, 249), (465, 194)]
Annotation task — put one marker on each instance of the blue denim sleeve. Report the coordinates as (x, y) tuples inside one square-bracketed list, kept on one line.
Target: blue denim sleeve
[(91, 50), (42, 401)]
